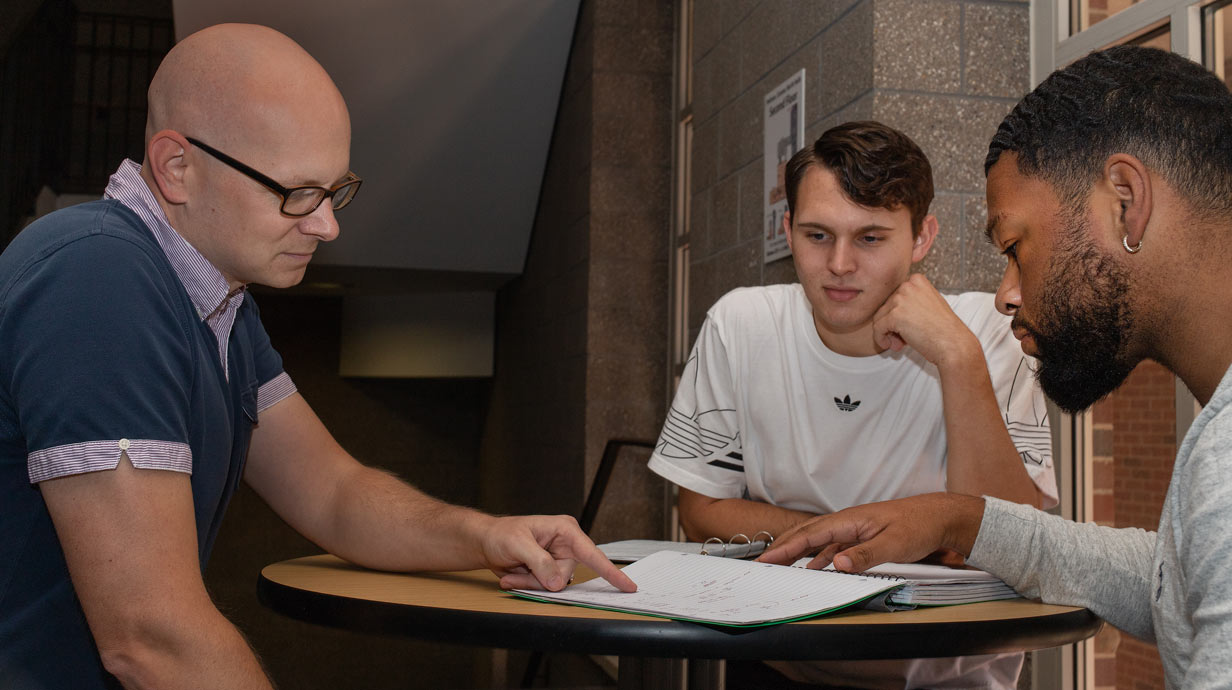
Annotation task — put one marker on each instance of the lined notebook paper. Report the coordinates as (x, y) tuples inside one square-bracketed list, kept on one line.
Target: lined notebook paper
[(721, 590)]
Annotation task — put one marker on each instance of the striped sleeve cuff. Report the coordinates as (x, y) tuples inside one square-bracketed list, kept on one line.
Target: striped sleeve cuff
[(273, 391), (93, 456)]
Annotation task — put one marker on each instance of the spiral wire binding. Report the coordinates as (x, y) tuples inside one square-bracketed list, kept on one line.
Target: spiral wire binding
[(879, 576)]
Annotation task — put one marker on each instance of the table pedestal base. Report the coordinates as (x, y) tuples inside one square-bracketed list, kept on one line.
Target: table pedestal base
[(650, 673)]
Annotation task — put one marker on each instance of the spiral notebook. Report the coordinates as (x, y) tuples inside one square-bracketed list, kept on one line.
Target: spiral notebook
[(725, 591), (729, 591)]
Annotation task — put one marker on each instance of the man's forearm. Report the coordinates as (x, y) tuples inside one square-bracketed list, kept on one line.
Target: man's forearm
[(703, 517), (380, 521), (374, 519), (981, 458)]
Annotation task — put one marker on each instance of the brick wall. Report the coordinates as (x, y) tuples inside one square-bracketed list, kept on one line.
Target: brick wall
[(1144, 444), (1144, 449), (1134, 449)]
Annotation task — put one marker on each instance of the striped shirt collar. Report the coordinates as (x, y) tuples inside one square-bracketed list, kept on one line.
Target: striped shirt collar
[(217, 305), (205, 285)]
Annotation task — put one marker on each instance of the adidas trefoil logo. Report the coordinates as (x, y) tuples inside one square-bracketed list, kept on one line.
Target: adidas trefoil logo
[(846, 404)]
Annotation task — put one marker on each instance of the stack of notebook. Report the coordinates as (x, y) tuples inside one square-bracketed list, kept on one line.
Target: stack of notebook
[(937, 585), (728, 591)]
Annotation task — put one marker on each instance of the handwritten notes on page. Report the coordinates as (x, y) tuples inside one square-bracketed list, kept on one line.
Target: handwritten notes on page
[(721, 590)]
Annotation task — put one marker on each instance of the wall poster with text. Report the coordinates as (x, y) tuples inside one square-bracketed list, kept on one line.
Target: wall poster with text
[(784, 127)]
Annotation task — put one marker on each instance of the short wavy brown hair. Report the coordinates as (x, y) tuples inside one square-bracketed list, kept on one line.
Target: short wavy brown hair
[(877, 166)]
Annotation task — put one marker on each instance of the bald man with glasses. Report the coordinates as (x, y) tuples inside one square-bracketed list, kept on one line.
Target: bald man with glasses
[(296, 201), (138, 387)]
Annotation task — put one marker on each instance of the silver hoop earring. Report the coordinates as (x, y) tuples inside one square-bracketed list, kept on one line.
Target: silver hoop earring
[(1132, 250)]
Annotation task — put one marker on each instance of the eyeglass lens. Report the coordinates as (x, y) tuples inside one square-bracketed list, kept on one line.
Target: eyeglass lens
[(305, 200)]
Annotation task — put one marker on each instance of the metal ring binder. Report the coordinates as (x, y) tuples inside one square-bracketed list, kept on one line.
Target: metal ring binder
[(715, 540), (748, 543)]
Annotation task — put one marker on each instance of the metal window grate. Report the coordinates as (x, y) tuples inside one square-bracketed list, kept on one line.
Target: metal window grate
[(114, 59), (72, 102), (33, 65)]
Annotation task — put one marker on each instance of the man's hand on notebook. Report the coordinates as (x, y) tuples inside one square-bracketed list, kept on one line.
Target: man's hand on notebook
[(900, 531), (541, 551)]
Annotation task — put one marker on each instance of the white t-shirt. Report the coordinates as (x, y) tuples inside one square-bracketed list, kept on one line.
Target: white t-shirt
[(765, 411)]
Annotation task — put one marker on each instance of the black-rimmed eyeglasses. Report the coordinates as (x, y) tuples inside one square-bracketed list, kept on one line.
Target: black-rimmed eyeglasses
[(296, 201)]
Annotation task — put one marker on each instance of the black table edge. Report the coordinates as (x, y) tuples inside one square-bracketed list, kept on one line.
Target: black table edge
[(655, 637)]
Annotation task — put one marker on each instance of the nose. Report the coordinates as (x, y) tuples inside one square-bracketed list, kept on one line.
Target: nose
[(1009, 295), (321, 223), (842, 258)]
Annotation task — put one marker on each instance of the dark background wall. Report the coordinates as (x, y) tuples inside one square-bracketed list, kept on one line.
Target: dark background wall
[(426, 431), (580, 347)]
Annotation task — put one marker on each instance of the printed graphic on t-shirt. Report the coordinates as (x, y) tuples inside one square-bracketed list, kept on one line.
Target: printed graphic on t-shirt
[(698, 437), (1031, 435), (708, 434), (846, 404)]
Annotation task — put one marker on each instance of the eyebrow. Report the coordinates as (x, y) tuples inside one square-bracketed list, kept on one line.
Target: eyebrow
[(315, 182), (991, 227), (863, 228)]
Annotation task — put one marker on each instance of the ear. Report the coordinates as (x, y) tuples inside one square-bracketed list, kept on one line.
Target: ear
[(1130, 181), (924, 239), (787, 227), (166, 165)]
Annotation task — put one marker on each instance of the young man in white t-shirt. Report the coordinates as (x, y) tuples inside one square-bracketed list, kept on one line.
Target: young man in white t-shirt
[(860, 383)]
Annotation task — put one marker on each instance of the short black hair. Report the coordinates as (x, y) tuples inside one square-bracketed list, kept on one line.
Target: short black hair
[(1171, 113), (877, 166)]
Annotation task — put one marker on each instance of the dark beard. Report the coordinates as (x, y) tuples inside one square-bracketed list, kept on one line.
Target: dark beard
[(1083, 321)]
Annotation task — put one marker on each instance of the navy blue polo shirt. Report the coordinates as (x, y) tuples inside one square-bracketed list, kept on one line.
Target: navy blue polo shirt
[(101, 344)]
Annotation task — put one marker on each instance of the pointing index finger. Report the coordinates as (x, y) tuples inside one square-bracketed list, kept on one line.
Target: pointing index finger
[(607, 570)]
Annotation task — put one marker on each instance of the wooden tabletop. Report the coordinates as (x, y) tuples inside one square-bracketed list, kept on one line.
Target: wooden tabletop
[(469, 608)]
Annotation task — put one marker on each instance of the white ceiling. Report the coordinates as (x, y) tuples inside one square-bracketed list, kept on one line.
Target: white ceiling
[(452, 107)]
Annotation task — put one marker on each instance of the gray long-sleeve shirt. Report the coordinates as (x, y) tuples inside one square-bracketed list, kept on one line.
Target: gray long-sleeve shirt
[(1173, 587)]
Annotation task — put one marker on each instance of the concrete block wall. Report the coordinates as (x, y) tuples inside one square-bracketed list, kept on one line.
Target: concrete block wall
[(944, 71)]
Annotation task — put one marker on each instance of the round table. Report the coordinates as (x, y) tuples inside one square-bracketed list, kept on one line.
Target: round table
[(469, 608)]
